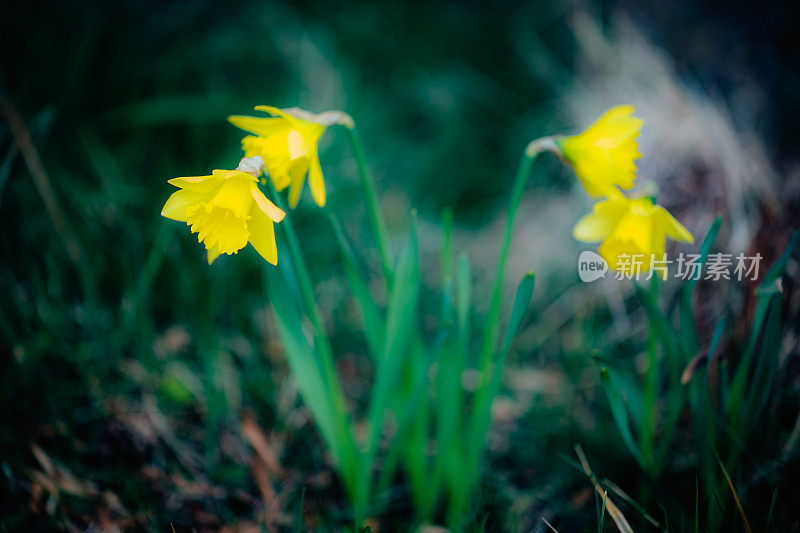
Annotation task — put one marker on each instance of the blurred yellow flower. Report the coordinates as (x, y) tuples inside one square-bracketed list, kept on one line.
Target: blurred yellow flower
[(630, 227), (227, 210), (603, 156), (288, 144)]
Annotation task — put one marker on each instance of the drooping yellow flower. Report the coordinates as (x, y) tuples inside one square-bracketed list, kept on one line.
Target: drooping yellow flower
[(227, 210), (628, 228), (603, 155), (288, 144)]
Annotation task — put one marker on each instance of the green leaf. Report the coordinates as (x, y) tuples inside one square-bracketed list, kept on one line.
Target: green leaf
[(667, 335), (301, 358), (401, 322), (778, 269), (446, 314), (463, 302), (402, 310), (522, 301), (768, 294), (620, 414), (371, 314), (630, 388), (448, 468), (688, 328), (766, 367), (489, 382)]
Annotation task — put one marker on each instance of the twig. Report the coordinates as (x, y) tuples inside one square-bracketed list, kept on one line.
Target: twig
[(549, 525), (22, 138)]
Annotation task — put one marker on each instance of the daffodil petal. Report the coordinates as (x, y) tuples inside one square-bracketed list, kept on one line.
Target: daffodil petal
[(264, 205), (278, 112), (262, 235), (271, 109), (297, 174), (195, 183), (599, 224), (674, 229), (592, 228), (261, 126), (227, 174), (179, 201), (294, 192), (315, 180)]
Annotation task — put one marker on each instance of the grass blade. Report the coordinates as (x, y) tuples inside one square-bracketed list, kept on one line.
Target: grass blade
[(489, 383), (371, 314), (301, 357), (735, 496), (522, 301), (769, 289), (400, 320), (447, 267), (620, 414), (616, 515)]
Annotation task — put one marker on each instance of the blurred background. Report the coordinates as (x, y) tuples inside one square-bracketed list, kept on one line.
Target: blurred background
[(140, 388)]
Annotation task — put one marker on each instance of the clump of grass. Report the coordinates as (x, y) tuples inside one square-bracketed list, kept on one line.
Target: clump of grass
[(725, 393), (417, 383)]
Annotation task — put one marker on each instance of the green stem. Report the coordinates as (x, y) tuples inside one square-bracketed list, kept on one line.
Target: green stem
[(647, 444), (373, 203), (492, 319), (490, 369), (330, 379), (303, 280)]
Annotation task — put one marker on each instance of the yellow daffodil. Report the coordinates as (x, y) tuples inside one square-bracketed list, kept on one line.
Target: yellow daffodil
[(227, 210), (288, 143), (628, 228), (603, 156)]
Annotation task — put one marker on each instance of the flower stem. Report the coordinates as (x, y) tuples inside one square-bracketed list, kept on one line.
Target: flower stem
[(328, 368), (301, 271), (492, 320), (373, 204)]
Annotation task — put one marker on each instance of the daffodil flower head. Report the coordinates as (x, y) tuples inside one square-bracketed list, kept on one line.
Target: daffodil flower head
[(288, 143), (630, 227), (227, 210), (604, 155)]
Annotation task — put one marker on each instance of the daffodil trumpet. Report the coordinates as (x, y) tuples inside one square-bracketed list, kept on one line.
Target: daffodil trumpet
[(604, 155), (227, 210)]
